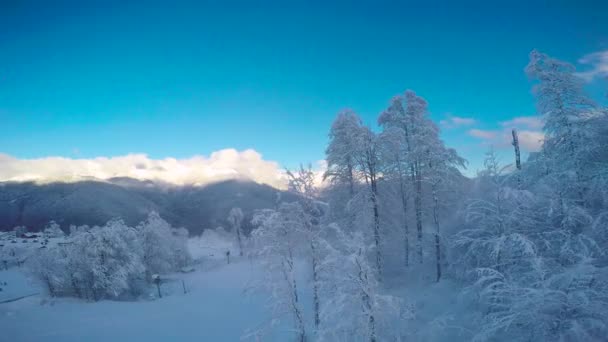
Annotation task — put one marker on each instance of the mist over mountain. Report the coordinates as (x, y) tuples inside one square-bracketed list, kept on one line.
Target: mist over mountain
[(95, 202)]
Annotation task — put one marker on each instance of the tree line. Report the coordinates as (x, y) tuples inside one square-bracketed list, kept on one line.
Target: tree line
[(526, 242)]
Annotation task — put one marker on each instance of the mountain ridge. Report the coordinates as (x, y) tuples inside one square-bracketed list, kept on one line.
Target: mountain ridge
[(94, 202)]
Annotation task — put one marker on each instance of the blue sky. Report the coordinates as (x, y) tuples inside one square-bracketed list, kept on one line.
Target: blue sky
[(107, 79)]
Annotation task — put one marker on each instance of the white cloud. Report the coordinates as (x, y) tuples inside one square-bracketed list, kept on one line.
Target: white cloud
[(530, 140), (196, 170), (531, 122), (482, 134), (320, 172), (456, 121), (599, 65)]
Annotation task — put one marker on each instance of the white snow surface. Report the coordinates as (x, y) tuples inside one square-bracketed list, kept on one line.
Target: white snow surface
[(218, 306), (214, 309)]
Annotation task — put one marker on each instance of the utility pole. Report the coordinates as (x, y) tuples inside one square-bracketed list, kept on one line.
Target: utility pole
[(515, 144), (517, 156)]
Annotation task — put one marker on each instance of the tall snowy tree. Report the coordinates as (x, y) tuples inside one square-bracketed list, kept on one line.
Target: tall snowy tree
[(235, 219), (414, 150), (277, 239), (302, 182), (354, 155), (417, 137), (395, 148), (442, 164), (342, 149), (564, 106), (369, 162)]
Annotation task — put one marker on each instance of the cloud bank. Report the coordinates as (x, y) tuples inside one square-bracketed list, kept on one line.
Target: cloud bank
[(452, 121), (482, 134), (197, 170), (531, 122), (599, 65), (528, 131)]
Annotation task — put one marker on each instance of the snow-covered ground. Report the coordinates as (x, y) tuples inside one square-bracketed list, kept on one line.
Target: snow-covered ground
[(218, 305), (214, 309)]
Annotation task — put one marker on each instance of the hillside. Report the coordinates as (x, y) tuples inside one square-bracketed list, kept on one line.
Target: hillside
[(96, 202)]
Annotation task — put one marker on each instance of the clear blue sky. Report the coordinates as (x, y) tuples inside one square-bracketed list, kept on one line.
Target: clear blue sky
[(182, 79)]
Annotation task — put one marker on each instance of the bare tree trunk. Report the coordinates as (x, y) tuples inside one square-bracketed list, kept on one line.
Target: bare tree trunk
[(499, 261), (157, 282), (315, 286), (418, 207), (351, 180), (288, 273), (376, 226), (437, 234), (49, 285), (371, 177), (417, 183), (351, 189), (405, 226), (238, 239), (367, 303)]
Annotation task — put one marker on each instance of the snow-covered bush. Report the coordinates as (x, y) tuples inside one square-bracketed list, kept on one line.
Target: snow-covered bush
[(103, 262), (110, 262), (53, 230), (19, 231), (163, 247), (49, 267)]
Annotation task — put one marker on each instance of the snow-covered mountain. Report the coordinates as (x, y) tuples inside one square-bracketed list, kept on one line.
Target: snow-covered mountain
[(95, 202)]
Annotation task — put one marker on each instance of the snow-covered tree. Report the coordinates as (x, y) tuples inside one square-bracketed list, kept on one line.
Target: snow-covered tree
[(413, 127), (19, 231), (342, 149), (563, 104), (53, 230), (302, 183), (110, 262), (413, 151), (355, 309), (441, 168), (416, 136), (100, 263), (113, 256), (48, 267), (497, 222), (536, 279), (369, 162), (235, 219), (353, 155), (161, 251), (276, 239), (396, 170)]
